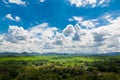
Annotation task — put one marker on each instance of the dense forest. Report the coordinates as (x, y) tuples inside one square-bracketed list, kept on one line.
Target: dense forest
[(60, 68)]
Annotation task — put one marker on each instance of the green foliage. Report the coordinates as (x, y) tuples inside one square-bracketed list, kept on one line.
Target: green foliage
[(60, 68)]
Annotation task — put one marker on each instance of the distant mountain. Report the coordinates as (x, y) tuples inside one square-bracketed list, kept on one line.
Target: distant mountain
[(112, 54), (62, 54), (18, 54)]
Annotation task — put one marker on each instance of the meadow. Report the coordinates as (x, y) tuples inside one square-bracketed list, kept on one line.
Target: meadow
[(59, 67)]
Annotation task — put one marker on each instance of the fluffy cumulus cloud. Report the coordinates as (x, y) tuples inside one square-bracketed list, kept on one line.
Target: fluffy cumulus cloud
[(69, 30), (74, 39), (92, 3), (16, 34), (10, 17), (18, 2)]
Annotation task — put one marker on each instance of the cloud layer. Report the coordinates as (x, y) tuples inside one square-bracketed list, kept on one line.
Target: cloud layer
[(73, 39), (92, 3)]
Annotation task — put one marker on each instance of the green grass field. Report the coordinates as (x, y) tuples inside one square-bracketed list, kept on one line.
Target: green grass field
[(60, 67), (48, 60)]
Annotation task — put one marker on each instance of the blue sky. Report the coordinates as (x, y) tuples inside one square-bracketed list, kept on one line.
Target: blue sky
[(55, 12), (59, 17)]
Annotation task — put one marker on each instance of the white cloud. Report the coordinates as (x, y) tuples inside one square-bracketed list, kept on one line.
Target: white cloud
[(103, 3), (92, 23), (18, 2), (92, 3), (88, 24), (16, 34), (43, 38), (107, 17), (78, 3), (43, 31), (69, 30), (70, 19), (17, 18), (77, 18), (42, 0), (59, 39), (10, 17)]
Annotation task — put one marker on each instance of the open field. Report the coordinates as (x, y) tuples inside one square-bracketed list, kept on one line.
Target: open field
[(66, 60), (60, 67)]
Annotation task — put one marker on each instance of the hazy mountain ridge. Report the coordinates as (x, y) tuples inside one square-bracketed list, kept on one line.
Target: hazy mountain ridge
[(62, 54)]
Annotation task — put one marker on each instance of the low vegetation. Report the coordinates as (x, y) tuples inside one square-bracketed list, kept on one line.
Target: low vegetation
[(60, 68)]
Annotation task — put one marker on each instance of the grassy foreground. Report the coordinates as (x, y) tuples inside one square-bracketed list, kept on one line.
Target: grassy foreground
[(60, 68)]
